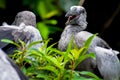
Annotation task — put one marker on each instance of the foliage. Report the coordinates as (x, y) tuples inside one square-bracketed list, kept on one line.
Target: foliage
[(46, 9), (49, 63), (2, 4)]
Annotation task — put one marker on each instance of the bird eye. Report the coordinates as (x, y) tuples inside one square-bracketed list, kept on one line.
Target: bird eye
[(83, 11)]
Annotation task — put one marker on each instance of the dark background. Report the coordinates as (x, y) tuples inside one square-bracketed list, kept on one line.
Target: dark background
[(103, 18)]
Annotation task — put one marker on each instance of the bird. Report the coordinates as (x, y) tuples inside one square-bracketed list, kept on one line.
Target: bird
[(108, 63), (75, 27), (24, 28), (9, 70)]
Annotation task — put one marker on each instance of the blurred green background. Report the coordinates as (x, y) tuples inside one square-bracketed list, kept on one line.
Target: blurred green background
[(49, 14), (103, 16)]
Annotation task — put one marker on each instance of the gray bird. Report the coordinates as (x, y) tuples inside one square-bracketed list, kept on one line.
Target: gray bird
[(24, 28), (9, 70), (108, 63), (75, 25)]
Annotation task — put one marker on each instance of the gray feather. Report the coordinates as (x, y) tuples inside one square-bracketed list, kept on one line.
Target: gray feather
[(26, 17), (108, 63), (8, 70), (24, 28), (75, 25)]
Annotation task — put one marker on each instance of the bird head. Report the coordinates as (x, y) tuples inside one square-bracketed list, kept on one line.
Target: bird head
[(26, 17), (76, 16)]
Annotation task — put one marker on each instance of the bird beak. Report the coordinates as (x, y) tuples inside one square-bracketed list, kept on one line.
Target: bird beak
[(68, 14)]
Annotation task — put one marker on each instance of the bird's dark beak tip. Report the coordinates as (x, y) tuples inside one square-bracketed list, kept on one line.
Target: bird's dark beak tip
[(66, 15)]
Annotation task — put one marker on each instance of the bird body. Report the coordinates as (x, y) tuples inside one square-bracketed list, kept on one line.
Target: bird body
[(30, 33), (66, 36), (75, 26), (35, 36), (24, 28), (108, 63), (8, 70)]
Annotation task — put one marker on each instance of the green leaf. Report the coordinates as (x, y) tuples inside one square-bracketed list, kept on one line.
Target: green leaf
[(87, 44), (45, 11), (53, 61), (43, 76), (57, 52), (10, 42), (43, 28), (51, 21), (42, 10), (68, 49), (46, 44), (7, 41), (76, 76), (49, 48), (49, 68), (82, 51), (60, 59), (33, 43), (52, 13), (22, 43), (83, 57), (92, 55), (34, 52), (70, 45), (89, 40), (70, 57), (90, 74), (24, 70), (75, 53)]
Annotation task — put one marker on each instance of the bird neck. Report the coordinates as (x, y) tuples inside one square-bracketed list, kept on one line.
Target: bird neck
[(67, 34), (73, 29)]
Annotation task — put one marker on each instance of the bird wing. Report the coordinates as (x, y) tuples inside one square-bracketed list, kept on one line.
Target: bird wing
[(5, 33), (9, 70), (13, 33), (108, 63), (97, 41), (82, 37), (33, 35)]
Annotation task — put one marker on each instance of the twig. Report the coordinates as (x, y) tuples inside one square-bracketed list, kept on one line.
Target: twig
[(81, 2)]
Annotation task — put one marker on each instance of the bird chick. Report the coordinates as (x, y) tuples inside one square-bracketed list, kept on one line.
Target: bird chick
[(24, 28), (75, 26)]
